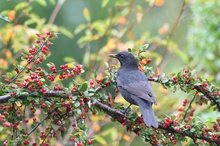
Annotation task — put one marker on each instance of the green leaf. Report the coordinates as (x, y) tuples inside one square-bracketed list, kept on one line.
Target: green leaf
[(52, 2), (100, 139), (79, 28), (29, 98), (69, 59), (76, 104), (192, 130), (21, 6), (74, 97), (162, 75), (48, 102), (88, 94), (36, 100), (164, 80), (83, 87), (146, 46), (66, 32), (100, 27), (179, 74), (139, 8), (87, 14), (9, 75), (198, 83), (35, 94), (86, 58), (192, 144), (41, 2), (29, 22), (12, 100), (50, 64), (104, 3)]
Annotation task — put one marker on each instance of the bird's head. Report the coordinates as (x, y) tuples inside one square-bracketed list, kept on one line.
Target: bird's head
[(125, 58)]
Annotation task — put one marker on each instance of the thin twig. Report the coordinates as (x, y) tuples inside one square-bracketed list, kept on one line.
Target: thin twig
[(190, 105), (39, 123), (172, 30), (29, 62), (55, 11), (46, 136)]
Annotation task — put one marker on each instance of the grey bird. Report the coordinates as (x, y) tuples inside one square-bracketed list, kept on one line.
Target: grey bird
[(134, 87)]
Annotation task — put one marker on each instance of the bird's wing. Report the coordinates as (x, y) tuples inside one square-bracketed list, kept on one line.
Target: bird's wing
[(136, 84)]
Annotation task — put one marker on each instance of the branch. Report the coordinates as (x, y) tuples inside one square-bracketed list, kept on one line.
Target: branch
[(190, 105), (208, 94), (62, 94), (28, 63), (39, 123), (55, 12), (114, 113), (189, 134)]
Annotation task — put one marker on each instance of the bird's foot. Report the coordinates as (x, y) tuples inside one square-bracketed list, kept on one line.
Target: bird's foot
[(126, 110)]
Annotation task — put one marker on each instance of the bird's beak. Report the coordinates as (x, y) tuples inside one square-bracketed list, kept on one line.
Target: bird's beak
[(112, 55)]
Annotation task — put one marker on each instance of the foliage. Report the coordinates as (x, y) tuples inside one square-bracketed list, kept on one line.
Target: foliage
[(39, 108), (203, 38)]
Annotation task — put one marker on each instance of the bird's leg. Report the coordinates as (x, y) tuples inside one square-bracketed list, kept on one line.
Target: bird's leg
[(125, 111)]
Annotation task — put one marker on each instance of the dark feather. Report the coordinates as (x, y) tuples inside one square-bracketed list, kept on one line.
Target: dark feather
[(135, 88)]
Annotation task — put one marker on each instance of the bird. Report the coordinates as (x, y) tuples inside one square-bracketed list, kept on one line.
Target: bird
[(134, 87)]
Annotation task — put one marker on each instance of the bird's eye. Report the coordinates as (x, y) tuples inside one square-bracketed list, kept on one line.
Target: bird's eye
[(121, 56)]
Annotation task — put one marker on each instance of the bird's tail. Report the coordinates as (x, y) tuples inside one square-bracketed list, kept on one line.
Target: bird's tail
[(147, 112)]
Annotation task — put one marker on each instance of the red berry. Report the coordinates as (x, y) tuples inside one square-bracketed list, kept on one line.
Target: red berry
[(79, 144), (34, 119), (142, 124), (187, 126), (138, 133), (174, 142), (48, 33), (43, 105), (154, 136), (218, 119), (205, 84), (26, 142), (175, 78), (172, 138), (186, 70), (91, 82), (72, 138), (107, 83), (89, 141), (83, 116), (200, 102), (51, 35), (141, 62), (180, 109), (175, 122), (7, 124), (149, 60), (10, 107), (49, 44), (177, 129), (188, 119), (12, 94)]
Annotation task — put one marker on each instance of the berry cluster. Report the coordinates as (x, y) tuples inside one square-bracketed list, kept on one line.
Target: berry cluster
[(31, 78)]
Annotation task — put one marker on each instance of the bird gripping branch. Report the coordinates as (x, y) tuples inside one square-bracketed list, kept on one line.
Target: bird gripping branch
[(134, 87)]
